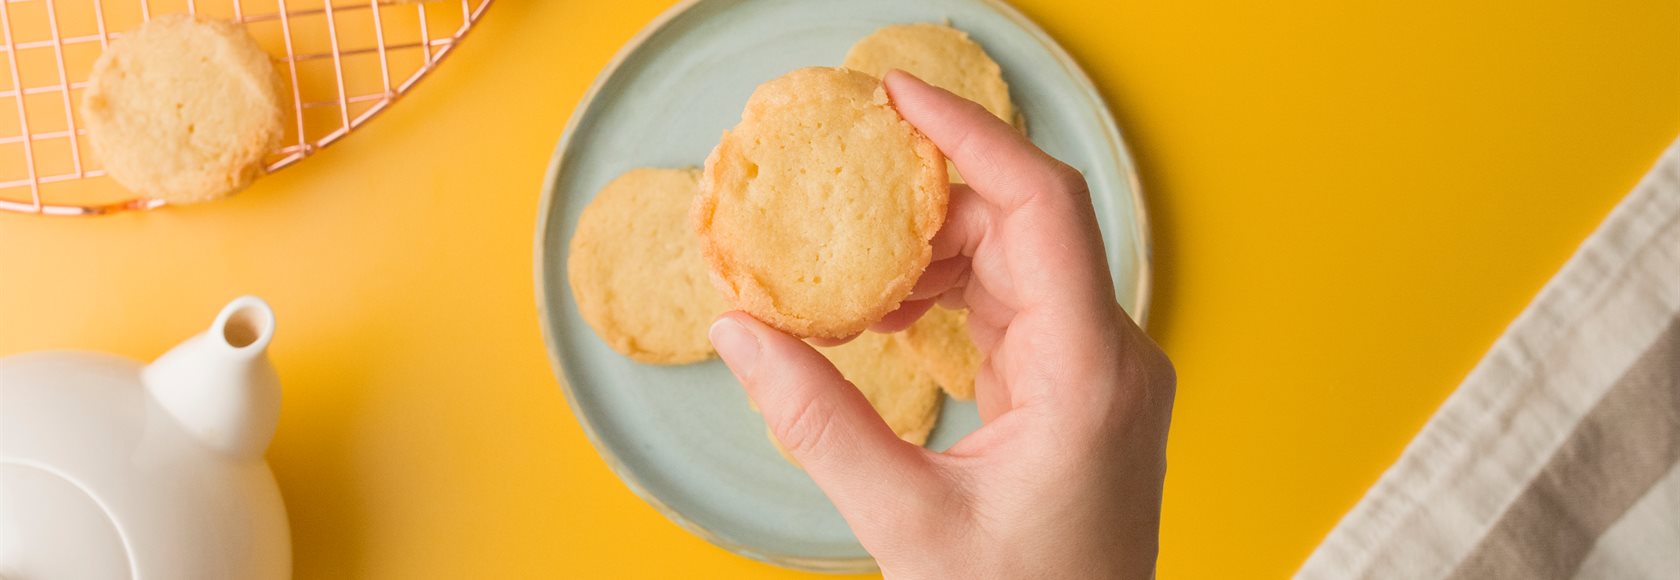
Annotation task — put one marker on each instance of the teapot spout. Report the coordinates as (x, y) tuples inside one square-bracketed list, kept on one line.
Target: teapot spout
[(219, 385)]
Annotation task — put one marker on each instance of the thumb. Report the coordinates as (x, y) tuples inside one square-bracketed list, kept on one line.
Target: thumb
[(822, 420)]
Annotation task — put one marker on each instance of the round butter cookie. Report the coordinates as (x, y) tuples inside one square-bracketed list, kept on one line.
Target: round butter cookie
[(815, 212), (939, 55), (940, 345), (907, 398), (636, 272), (183, 109)]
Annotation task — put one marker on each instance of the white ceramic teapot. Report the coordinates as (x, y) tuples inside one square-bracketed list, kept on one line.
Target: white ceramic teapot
[(111, 469)]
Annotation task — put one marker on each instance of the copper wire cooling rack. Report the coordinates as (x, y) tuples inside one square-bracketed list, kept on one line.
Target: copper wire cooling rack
[(340, 63)]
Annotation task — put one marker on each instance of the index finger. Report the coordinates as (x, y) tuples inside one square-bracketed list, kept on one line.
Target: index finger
[(1000, 163)]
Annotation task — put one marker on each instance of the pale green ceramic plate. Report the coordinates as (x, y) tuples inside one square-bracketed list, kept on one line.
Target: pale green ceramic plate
[(683, 437)]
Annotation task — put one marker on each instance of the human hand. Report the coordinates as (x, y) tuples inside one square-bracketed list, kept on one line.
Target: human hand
[(1064, 478)]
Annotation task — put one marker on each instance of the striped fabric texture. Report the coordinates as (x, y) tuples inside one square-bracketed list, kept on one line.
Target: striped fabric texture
[(1559, 456)]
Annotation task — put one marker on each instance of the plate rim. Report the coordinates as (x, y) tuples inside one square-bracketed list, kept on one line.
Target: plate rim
[(1143, 241)]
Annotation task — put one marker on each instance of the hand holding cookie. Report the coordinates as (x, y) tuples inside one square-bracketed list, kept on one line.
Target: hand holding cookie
[(1066, 378), (816, 212)]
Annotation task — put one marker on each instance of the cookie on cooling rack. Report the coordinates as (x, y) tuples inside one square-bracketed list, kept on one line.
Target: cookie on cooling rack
[(815, 212), (636, 272), (184, 109), (941, 347)]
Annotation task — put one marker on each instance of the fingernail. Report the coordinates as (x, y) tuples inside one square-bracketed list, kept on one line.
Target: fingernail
[(735, 344), (891, 78)]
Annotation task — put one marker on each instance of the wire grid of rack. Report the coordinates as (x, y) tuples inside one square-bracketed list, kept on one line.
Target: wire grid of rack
[(342, 63)]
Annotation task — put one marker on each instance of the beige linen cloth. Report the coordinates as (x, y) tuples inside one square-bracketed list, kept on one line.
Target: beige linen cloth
[(1557, 457)]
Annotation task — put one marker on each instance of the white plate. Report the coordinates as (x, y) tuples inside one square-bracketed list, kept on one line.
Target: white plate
[(683, 438)]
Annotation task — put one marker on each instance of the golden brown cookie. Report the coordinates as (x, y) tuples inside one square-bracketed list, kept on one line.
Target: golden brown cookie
[(636, 272), (815, 212), (943, 57), (907, 398), (940, 55), (183, 109), (941, 347)]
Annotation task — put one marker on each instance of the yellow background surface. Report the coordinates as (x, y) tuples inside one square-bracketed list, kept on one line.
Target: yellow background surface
[(1350, 201)]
